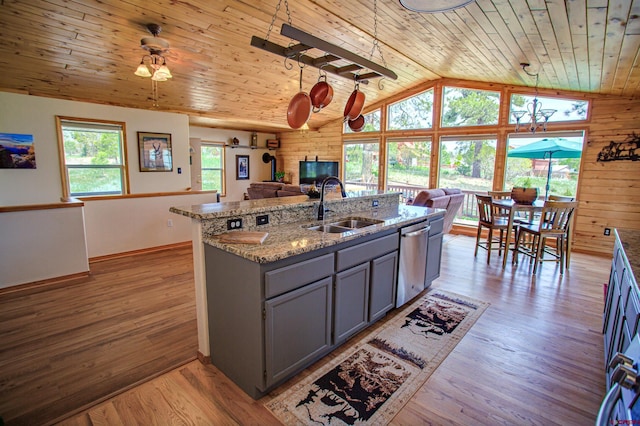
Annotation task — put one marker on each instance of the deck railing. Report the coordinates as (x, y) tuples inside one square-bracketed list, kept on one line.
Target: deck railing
[(469, 209)]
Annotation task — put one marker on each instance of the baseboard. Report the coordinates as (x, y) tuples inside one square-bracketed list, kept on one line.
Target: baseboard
[(35, 286), (140, 251), (205, 359)]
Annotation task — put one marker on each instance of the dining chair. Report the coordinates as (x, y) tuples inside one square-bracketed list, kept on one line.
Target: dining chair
[(554, 223), (567, 241), (490, 217)]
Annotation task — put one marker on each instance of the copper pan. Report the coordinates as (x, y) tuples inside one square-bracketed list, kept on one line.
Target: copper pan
[(357, 124), (299, 110), (355, 104), (321, 94)]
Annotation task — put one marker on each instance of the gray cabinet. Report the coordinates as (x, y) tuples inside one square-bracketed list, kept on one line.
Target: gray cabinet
[(351, 302), (382, 291), (297, 329), (269, 321), (434, 251), (622, 307)]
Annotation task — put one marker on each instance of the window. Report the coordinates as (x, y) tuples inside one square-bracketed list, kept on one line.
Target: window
[(534, 172), (467, 163), (469, 107), (371, 123), (408, 165), (212, 167), (415, 112), (361, 165), (94, 160), (566, 109)]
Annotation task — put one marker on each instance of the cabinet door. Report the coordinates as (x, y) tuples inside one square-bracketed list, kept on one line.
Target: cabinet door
[(434, 255), (351, 301), (297, 329), (382, 291), (613, 323)]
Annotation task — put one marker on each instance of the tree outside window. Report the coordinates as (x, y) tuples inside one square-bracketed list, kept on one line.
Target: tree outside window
[(361, 165), (94, 159), (469, 107), (212, 167), (415, 112), (408, 165)]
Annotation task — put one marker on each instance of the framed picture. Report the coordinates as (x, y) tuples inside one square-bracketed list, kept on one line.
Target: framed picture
[(155, 152), (242, 167)]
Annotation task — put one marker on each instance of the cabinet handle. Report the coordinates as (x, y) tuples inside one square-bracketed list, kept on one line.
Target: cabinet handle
[(418, 232), (608, 405), (626, 376), (620, 358)]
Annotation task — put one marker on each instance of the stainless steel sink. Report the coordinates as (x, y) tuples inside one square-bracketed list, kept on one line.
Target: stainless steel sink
[(345, 225), (330, 229)]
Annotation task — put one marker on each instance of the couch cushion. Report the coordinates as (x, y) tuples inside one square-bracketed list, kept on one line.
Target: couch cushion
[(426, 195), (450, 191), (257, 193)]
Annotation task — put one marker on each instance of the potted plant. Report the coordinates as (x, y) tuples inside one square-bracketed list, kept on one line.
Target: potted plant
[(524, 194), (280, 176)]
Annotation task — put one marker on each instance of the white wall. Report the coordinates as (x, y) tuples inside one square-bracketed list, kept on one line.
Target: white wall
[(42, 244), (258, 170), (128, 224), (34, 115)]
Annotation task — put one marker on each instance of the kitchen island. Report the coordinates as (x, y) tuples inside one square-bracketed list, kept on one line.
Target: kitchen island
[(266, 311)]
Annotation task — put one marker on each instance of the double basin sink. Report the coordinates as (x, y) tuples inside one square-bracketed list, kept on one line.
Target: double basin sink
[(345, 225)]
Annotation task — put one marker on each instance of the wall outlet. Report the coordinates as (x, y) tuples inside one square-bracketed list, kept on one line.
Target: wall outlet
[(374, 203), (262, 220), (234, 223), (169, 223), (607, 231)]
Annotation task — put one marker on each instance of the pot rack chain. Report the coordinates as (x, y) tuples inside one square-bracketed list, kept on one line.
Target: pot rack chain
[(376, 43), (275, 15)]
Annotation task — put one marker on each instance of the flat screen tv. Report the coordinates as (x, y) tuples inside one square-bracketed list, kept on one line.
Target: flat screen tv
[(316, 171)]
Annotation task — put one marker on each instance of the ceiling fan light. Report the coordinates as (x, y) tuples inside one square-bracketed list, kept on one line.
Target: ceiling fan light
[(164, 70), (158, 76), (143, 70), (433, 6)]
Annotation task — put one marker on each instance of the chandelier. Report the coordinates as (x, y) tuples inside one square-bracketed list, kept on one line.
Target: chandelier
[(154, 64), (534, 116)]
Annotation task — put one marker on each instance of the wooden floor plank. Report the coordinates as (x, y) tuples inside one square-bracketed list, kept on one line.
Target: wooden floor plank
[(534, 357)]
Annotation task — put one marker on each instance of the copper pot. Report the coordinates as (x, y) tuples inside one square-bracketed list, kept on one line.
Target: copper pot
[(358, 124), (299, 110), (321, 94), (355, 104)]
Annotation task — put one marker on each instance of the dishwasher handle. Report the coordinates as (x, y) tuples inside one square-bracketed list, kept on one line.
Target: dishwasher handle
[(420, 231)]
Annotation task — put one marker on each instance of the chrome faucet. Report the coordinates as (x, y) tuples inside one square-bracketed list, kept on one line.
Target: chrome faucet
[(321, 209)]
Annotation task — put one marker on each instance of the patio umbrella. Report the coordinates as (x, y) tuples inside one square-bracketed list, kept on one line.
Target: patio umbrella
[(548, 148)]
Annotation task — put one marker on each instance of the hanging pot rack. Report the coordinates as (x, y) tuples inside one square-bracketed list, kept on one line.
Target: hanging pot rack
[(333, 53)]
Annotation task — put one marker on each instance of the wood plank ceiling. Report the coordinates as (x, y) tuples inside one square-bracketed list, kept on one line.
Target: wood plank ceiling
[(89, 49)]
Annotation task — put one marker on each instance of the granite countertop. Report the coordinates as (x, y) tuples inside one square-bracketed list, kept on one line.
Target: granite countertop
[(630, 240), (291, 239)]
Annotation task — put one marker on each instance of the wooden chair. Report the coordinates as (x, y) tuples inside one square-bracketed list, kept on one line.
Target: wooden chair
[(490, 218), (554, 223), (567, 241)]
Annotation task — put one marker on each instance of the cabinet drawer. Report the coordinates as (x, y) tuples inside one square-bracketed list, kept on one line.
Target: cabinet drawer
[(436, 226), (366, 251), (293, 276)]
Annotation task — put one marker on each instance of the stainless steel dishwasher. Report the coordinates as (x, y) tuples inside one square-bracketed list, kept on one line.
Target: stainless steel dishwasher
[(412, 266)]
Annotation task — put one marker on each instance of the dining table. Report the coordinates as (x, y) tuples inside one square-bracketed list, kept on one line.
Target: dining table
[(513, 208)]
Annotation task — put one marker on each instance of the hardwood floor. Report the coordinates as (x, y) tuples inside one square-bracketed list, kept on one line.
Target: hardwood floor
[(67, 345), (534, 357)]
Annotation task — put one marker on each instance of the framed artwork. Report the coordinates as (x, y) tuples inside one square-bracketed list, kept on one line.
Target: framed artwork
[(155, 152), (17, 151), (242, 167)]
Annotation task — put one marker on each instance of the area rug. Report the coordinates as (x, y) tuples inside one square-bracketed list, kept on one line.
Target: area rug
[(371, 381)]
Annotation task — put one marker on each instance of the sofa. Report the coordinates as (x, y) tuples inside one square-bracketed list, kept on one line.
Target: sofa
[(259, 190), (450, 199)]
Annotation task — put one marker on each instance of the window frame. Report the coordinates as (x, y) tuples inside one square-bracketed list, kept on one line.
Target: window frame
[(433, 108), (223, 180), (64, 167)]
